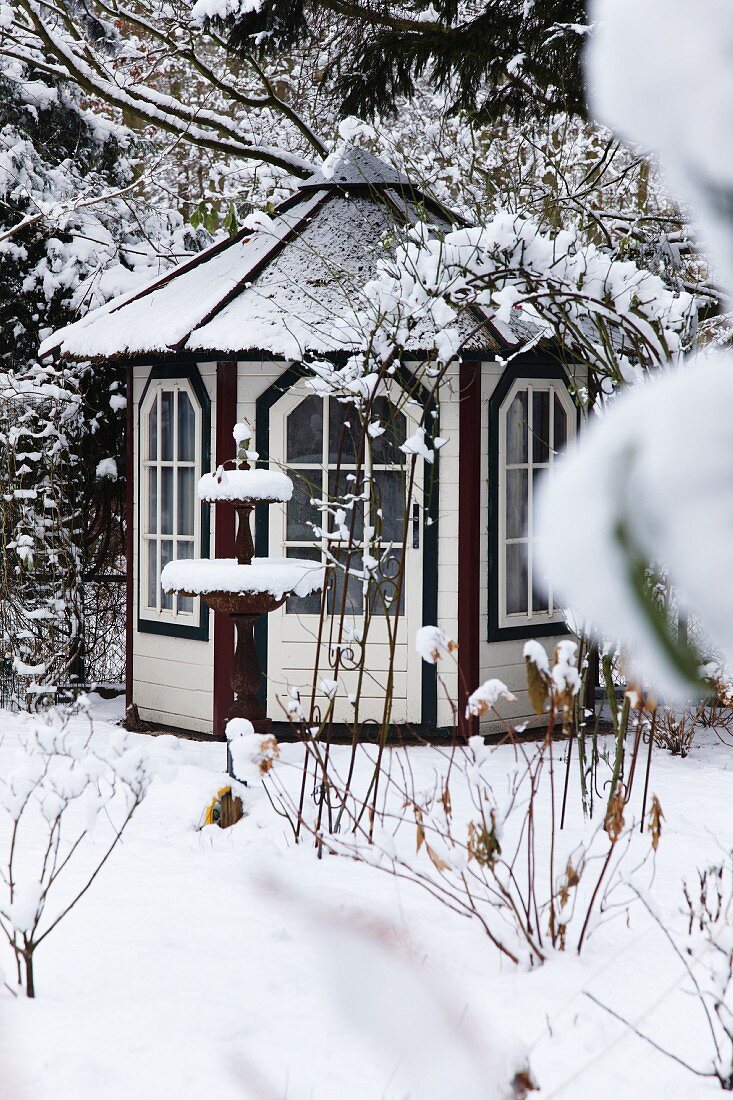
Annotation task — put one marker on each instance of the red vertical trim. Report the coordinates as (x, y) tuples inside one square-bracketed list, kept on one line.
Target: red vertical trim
[(129, 535), (469, 535), (226, 418)]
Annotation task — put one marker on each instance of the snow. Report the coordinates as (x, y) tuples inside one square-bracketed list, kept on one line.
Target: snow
[(252, 754), (352, 166), (199, 953), (235, 485), (306, 291), (432, 644), (638, 89), (107, 468), (242, 432), (537, 654), (655, 475), (416, 445), (276, 576), (222, 9), (485, 698), (565, 675)]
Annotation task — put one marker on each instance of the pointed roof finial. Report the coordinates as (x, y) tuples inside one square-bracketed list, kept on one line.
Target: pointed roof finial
[(351, 166)]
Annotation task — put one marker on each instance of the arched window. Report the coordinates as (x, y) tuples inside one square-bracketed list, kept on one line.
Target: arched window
[(322, 446), (536, 420), (172, 436)]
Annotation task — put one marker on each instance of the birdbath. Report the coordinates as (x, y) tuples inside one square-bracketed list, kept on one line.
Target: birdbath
[(244, 587)]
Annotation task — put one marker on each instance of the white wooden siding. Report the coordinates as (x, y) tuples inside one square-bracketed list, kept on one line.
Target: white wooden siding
[(173, 677)]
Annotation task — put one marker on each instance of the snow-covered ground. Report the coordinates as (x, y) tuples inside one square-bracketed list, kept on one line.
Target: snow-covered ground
[(212, 962)]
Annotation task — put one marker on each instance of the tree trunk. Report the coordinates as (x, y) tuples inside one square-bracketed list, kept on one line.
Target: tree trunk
[(30, 987)]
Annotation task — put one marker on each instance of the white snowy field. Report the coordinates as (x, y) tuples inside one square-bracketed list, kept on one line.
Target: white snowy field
[(212, 962)]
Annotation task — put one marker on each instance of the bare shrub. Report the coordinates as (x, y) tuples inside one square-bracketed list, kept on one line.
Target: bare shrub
[(706, 952), (50, 804), (501, 862), (675, 729)]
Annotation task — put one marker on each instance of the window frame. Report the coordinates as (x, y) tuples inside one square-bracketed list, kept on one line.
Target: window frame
[(502, 625), (322, 469), (185, 377), (294, 373)]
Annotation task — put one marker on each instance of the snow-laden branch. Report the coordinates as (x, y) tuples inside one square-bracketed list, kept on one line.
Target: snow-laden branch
[(655, 474), (49, 36), (610, 315)]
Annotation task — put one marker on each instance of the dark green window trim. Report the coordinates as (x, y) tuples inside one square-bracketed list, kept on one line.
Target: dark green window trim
[(189, 371), (539, 370)]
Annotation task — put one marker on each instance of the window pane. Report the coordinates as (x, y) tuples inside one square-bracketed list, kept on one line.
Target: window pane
[(186, 499), (166, 426), (354, 587), (184, 550), (516, 578), (304, 605), (383, 587), (561, 425), (153, 432), (186, 429), (385, 448), (340, 485), (305, 431), (152, 500), (152, 573), (166, 500), (516, 429), (540, 601), (389, 496), (166, 553), (300, 511), (539, 473), (541, 425), (517, 500), (344, 428)]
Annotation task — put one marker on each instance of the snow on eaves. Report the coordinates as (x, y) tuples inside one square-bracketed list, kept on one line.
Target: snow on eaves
[(162, 315), (292, 285)]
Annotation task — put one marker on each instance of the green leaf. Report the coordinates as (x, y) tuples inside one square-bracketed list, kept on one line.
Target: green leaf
[(231, 224), (681, 654)]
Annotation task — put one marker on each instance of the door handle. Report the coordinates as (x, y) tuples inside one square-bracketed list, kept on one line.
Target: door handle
[(416, 526)]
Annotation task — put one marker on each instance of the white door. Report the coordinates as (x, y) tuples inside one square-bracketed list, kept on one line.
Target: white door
[(313, 438)]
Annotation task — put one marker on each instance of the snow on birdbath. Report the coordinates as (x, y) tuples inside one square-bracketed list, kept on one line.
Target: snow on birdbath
[(244, 587), (276, 577)]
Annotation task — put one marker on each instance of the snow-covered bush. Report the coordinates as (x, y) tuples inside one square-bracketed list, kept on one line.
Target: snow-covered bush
[(66, 804), (62, 426), (660, 463)]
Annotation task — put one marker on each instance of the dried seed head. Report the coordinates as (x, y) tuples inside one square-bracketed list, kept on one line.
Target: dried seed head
[(614, 823), (268, 754), (655, 821)]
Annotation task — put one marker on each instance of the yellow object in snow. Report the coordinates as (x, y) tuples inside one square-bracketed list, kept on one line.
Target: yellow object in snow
[(225, 809), (213, 810)]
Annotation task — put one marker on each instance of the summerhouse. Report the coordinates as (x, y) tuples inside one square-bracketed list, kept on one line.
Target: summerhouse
[(226, 337)]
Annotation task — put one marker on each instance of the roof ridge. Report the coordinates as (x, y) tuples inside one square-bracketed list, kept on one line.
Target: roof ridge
[(355, 166)]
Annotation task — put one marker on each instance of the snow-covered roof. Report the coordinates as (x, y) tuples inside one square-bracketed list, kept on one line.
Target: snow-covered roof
[(291, 285)]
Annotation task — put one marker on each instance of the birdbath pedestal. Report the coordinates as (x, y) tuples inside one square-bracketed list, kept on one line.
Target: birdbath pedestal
[(244, 587)]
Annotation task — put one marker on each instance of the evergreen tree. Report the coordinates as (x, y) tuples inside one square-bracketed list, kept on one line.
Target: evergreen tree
[(493, 60)]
